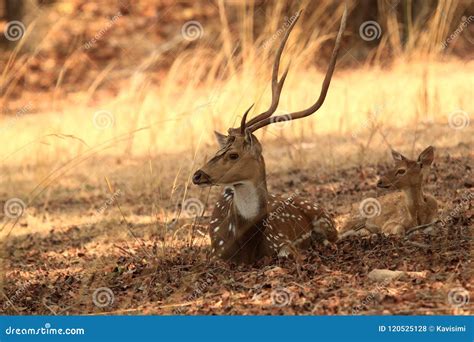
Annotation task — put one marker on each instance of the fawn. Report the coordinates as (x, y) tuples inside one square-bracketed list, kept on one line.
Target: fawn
[(396, 212), (248, 223)]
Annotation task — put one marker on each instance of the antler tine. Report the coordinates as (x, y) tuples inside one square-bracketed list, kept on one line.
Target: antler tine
[(324, 89), (277, 86), (244, 118)]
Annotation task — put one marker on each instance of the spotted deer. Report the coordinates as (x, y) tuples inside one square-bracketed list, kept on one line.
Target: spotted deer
[(407, 208), (248, 223)]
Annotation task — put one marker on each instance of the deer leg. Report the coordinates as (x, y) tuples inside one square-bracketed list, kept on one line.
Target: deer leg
[(393, 228)]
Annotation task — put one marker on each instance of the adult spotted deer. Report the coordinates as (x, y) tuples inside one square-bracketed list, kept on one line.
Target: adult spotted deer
[(248, 223), (397, 212)]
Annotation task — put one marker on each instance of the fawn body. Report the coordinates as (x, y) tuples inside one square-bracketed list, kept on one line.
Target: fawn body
[(404, 209), (248, 223)]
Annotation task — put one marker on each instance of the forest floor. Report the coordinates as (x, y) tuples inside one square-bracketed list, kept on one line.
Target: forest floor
[(82, 247)]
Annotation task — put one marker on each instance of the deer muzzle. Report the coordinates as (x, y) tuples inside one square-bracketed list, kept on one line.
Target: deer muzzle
[(201, 178)]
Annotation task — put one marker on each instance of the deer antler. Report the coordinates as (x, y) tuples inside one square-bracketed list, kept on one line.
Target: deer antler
[(265, 118), (244, 118), (277, 86)]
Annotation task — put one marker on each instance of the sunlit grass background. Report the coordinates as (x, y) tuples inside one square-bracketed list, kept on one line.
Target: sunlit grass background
[(206, 89), (136, 112)]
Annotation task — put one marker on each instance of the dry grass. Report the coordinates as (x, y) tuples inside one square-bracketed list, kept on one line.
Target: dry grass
[(56, 158), (171, 118)]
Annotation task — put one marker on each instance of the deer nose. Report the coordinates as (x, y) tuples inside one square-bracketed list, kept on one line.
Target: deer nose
[(201, 177)]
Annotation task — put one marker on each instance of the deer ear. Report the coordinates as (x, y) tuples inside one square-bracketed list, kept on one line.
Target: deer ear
[(221, 139), (248, 138), (398, 156), (251, 142), (427, 156)]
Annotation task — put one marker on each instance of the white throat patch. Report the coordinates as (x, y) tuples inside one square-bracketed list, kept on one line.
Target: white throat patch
[(246, 200)]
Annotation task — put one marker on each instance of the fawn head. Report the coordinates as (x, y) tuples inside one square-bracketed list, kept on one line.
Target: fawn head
[(240, 155), (407, 173)]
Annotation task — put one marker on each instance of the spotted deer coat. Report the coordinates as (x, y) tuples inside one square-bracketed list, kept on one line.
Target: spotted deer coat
[(284, 224)]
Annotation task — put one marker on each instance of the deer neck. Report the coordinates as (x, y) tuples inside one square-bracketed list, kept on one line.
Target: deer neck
[(414, 201), (251, 197), (250, 201)]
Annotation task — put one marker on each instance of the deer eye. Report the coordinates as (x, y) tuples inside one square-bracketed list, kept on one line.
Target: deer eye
[(233, 156), (400, 172)]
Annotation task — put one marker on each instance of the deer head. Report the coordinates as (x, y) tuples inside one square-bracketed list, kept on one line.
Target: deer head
[(407, 173), (239, 159), (240, 155)]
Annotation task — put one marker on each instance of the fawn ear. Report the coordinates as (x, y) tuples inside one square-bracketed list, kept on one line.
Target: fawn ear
[(398, 156), (221, 139), (427, 156)]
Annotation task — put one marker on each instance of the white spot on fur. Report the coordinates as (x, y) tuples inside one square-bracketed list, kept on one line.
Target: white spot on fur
[(232, 229)]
